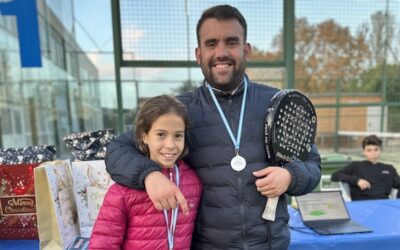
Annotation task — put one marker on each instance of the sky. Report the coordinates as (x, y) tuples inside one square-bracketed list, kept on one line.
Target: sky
[(349, 13)]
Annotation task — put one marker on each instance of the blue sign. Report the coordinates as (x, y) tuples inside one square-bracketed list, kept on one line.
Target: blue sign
[(28, 30)]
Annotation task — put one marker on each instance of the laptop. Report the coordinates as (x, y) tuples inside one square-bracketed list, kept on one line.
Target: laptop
[(326, 213)]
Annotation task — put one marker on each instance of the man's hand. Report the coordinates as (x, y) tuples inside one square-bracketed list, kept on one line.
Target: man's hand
[(273, 181), (363, 184), (164, 193)]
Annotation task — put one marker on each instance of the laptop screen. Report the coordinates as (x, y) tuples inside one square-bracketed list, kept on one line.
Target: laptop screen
[(322, 206)]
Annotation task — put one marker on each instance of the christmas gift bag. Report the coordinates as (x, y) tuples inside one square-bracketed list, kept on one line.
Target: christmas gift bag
[(90, 145), (91, 182), (17, 192), (17, 202), (56, 208)]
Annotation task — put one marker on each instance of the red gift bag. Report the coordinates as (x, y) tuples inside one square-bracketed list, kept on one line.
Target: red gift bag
[(17, 202)]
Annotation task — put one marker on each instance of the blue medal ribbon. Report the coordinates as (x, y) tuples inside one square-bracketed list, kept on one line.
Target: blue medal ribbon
[(174, 216), (236, 142)]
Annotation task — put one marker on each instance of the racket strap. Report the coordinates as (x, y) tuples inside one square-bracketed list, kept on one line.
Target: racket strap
[(270, 209)]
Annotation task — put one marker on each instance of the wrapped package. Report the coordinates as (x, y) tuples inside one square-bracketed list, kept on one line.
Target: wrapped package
[(18, 216), (90, 145)]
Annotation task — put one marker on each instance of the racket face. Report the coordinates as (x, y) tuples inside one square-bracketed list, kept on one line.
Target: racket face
[(291, 125)]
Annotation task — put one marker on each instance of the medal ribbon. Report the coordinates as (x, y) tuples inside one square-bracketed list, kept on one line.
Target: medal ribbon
[(174, 216), (236, 142)]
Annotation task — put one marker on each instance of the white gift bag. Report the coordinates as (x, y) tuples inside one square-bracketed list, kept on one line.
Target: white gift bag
[(91, 182), (56, 208)]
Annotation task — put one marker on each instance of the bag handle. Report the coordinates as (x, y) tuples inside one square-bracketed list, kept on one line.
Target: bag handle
[(91, 180), (60, 181)]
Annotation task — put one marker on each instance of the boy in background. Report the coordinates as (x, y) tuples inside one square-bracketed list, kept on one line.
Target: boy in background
[(369, 179)]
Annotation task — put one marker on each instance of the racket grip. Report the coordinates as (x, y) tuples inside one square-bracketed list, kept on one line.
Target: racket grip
[(270, 209)]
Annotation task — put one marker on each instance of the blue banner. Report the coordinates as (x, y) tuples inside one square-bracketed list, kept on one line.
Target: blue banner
[(28, 30)]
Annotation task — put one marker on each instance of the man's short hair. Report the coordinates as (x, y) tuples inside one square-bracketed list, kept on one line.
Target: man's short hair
[(371, 140), (222, 12)]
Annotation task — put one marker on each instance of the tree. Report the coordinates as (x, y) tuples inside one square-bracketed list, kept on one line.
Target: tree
[(327, 52), (372, 82), (324, 52), (381, 36)]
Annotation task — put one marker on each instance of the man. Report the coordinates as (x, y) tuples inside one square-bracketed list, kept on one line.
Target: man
[(369, 179), (226, 106)]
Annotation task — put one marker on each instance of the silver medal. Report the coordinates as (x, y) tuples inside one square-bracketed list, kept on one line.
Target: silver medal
[(238, 163)]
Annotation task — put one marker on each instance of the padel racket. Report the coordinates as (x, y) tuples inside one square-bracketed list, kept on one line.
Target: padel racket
[(290, 129)]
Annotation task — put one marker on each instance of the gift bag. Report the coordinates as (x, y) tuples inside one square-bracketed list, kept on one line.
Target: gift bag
[(90, 145), (56, 208), (91, 182), (17, 202), (17, 193)]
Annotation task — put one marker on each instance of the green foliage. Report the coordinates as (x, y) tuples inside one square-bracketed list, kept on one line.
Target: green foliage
[(372, 81)]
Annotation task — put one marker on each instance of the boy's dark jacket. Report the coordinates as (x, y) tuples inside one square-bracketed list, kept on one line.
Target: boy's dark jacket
[(382, 177), (229, 215)]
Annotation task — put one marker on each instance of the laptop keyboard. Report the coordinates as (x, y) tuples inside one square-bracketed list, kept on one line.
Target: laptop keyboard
[(332, 224), (328, 227), (335, 227)]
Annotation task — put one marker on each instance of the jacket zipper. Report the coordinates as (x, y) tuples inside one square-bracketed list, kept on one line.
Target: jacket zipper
[(242, 213), (242, 208)]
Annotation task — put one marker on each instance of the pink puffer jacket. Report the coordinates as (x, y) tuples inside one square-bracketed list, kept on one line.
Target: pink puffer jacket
[(128, 219)]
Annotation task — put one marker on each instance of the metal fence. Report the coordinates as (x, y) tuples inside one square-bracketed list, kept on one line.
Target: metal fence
[(346, 56)]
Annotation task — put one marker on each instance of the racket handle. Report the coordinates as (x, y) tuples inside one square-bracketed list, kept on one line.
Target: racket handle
[(270, 209)]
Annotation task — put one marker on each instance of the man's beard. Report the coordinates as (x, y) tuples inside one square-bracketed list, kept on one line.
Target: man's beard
[(235, 78)]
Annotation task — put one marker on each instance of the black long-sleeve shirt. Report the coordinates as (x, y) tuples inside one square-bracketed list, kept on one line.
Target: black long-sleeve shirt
[(382, 177)]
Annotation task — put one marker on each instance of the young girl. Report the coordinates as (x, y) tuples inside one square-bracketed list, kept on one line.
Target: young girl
[(127, 218)]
